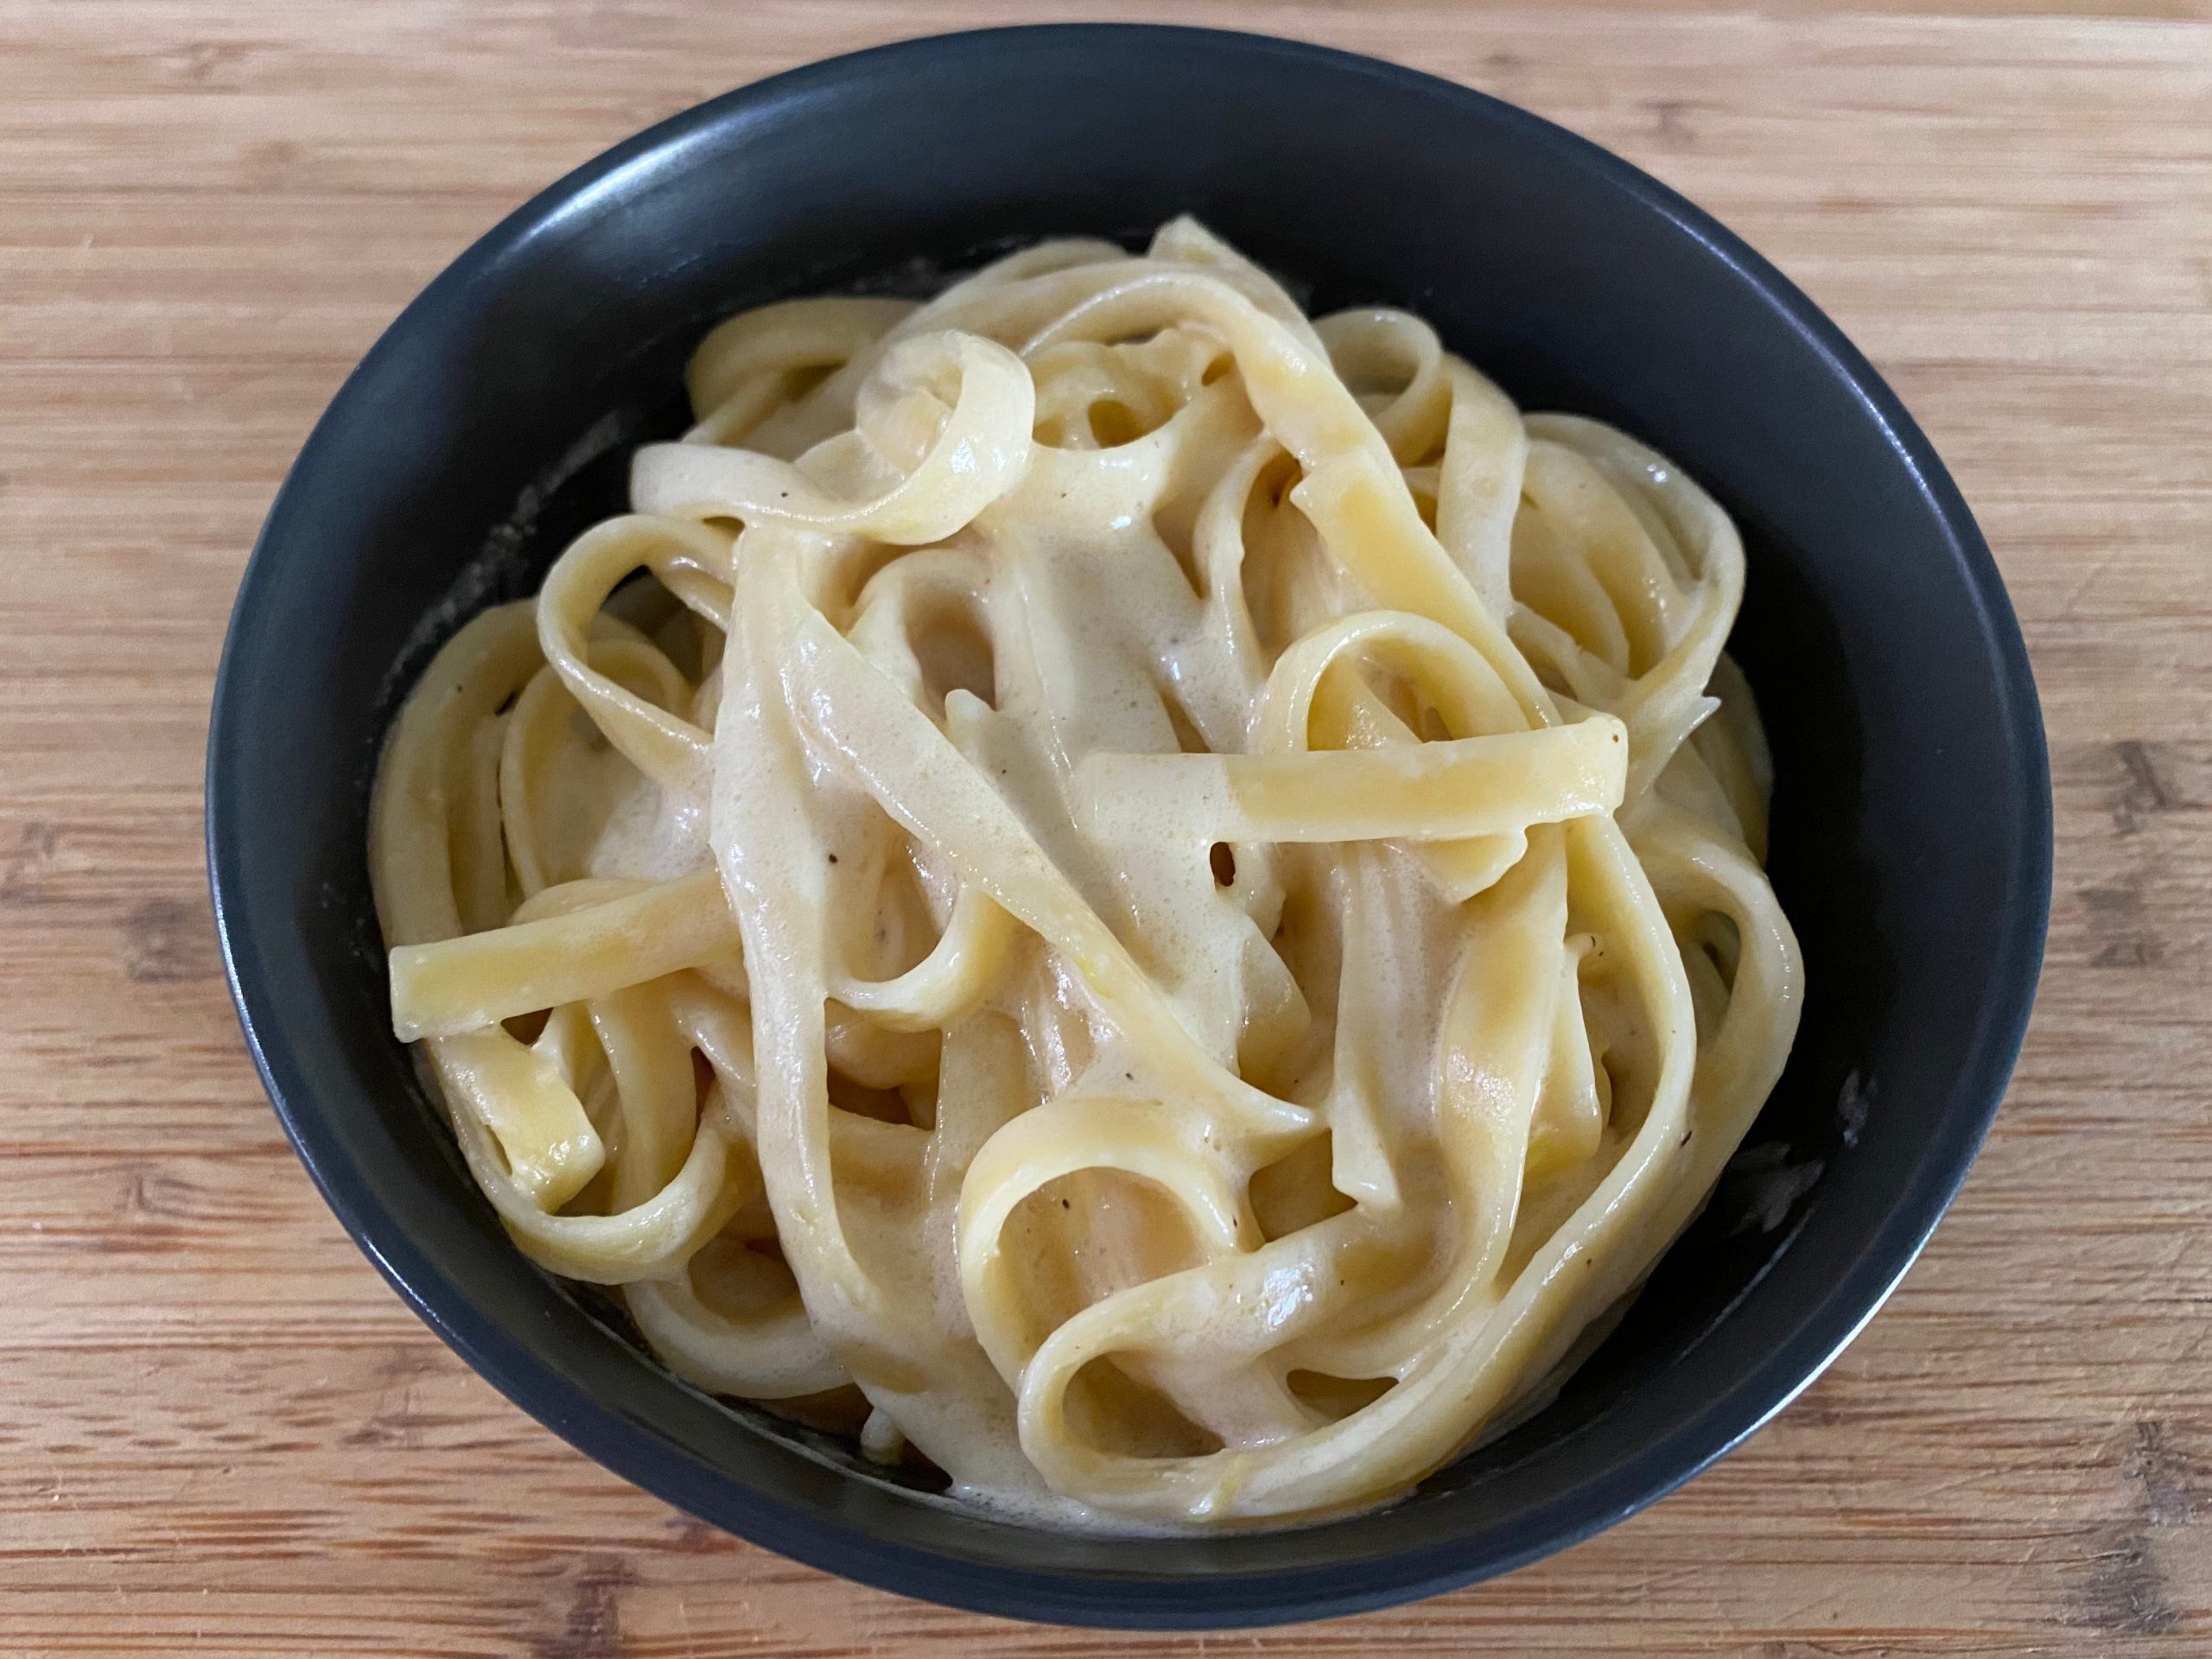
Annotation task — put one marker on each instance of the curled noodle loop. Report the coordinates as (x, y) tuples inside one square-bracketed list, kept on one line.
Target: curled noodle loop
[(1155, 902)]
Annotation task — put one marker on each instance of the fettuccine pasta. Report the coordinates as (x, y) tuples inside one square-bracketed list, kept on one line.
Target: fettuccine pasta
[(1153, 902)]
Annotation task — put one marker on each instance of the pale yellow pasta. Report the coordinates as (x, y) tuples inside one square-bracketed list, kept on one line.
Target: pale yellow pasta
[(1145, 901)]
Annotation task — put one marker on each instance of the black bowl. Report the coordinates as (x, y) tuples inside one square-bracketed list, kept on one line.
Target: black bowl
[(1912, 815)]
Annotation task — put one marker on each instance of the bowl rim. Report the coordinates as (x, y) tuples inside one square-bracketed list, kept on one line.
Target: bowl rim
[(673, 1471)]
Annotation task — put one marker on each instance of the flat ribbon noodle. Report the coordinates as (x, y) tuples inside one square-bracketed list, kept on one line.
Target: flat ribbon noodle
[(1153, 902)]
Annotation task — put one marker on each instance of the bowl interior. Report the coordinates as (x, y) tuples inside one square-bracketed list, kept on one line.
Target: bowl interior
[(1910, 829)]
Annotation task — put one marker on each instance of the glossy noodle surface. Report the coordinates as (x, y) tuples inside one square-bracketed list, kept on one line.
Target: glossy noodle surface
[(1154, 901)]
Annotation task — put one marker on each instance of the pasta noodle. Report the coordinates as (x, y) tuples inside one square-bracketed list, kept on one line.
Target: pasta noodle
[(1154, 902)]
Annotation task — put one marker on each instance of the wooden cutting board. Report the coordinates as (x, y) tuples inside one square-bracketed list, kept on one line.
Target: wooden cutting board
[(219, 1432)]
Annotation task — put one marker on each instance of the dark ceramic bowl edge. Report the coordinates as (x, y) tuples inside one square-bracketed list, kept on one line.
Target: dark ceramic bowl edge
[(665, 1467)]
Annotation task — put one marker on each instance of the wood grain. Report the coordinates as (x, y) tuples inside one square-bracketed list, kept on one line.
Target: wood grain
[(221, 1433)]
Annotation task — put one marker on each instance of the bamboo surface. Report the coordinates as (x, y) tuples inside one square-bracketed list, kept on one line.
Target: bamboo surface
[(221, 1433)]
